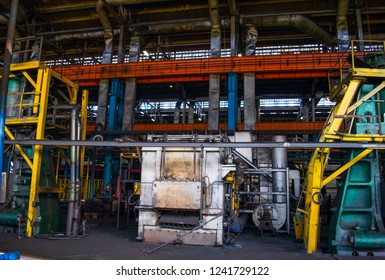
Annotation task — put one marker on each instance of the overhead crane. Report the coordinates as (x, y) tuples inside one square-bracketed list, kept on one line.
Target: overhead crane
[(285, 66)]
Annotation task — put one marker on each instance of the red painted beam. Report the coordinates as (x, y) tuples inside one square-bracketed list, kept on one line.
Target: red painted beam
[(274, 127), (264, 67)]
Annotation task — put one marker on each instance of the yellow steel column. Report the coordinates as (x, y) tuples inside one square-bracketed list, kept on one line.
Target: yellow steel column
[(314, 209), (317, 166), (83, 117), (346, 166), (20, 148), (43, 88)]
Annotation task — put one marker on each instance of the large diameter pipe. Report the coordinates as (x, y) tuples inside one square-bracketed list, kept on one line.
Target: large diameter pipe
[(300, 22), (342, 24), (279, 159), (73, 175), (77, 179), (5, 76)]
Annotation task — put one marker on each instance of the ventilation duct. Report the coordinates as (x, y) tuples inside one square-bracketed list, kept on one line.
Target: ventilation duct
[(342, 25), (300, 22)]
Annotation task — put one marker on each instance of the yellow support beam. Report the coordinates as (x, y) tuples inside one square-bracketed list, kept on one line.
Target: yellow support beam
[(28, 120), (345, 167), (26, 66), (43, 85), (366, 97), (20, 148), (313, 225), (83, 118), (377, 138), (29, 78), (316, 169)]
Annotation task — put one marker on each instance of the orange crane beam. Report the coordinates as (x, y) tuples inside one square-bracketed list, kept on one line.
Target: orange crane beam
[(271, 127), (264, 67)]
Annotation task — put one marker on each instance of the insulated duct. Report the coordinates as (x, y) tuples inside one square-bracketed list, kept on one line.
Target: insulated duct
[(101, 8), (279, 158), (105, 21), (103, 15), (300, 22), (342, 25), (250, 39), (214, 16), (72, 214)]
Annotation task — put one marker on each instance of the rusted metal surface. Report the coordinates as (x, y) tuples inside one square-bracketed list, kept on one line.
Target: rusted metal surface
[(156, 234), (184, 181), (181, 164), (180, 195)]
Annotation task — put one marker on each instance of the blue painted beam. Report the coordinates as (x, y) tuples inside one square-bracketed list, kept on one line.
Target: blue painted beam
[(232, 112)]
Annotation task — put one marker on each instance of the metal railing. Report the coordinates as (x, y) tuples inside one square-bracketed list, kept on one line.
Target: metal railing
[(360, 54)]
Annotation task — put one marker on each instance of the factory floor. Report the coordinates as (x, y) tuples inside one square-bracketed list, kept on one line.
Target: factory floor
[(103, 241)]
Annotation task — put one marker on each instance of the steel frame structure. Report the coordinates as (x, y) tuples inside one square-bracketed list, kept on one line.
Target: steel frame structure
[(345, 94), (40, 78)]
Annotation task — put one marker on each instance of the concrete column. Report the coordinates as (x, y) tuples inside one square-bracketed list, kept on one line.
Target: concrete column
[(359, 29), (249, 79), (130, 90), (176, 115), (305, 110), (103, 89), (249, 101), (213, 114), (215, 51), (122, 44)]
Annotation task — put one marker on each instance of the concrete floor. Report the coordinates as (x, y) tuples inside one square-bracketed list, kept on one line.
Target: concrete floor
[(104, 242)]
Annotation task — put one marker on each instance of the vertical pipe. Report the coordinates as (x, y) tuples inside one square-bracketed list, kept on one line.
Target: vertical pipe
[(5, 76), (72, 189), (76, 219), (342, 25), (92, 182), (279, 159), (359, 29)]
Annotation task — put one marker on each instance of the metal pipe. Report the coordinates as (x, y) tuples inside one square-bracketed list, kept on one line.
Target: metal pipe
[(5, 77), (279, 158), (72, 189), (105, 21), (300, 22), (201, 224), (214, 15), (77, 178), (100, 7), (117, 144), (342, 25)]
